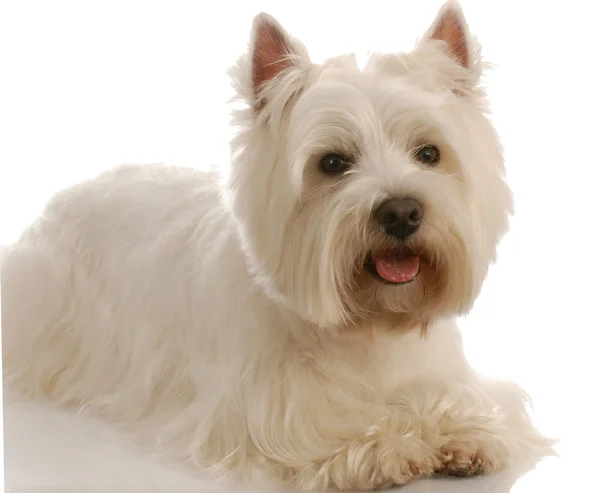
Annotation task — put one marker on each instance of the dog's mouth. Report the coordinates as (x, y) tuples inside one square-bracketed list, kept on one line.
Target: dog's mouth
[(398, 266)]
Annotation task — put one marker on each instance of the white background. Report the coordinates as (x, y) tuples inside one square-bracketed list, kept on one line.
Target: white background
[(89, 85)]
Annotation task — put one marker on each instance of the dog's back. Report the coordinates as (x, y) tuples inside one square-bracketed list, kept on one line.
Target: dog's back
[(117, 245)]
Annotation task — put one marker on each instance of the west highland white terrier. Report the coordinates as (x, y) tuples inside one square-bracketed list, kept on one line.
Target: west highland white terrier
[(296, 320)]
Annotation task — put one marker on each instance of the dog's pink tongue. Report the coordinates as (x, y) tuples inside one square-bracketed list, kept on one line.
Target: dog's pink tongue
[(395, 268)]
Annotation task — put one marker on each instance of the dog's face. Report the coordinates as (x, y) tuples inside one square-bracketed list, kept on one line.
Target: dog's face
[(368, 196)]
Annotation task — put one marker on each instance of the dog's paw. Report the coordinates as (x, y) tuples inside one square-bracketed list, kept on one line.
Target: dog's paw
[(371, 465), (386, 476), (381, 473), (464, 460)]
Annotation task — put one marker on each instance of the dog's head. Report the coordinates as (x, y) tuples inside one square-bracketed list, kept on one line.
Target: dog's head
[(373, 195)]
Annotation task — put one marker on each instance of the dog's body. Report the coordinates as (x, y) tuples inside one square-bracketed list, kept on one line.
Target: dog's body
[(261, 326)]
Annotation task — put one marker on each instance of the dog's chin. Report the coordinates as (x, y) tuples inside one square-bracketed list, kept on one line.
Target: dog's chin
[(406, 286), (397, 287)]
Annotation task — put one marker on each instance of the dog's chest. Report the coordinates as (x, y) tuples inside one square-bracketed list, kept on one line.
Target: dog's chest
[(399, 358)]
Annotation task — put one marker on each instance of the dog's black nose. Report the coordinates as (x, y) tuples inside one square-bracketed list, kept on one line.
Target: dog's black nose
[(400, 217)]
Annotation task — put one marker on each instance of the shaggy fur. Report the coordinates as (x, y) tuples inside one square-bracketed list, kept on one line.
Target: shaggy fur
[(233, 323)]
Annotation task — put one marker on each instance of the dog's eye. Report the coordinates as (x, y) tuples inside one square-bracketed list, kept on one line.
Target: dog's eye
[(332, 164), (428, 154)]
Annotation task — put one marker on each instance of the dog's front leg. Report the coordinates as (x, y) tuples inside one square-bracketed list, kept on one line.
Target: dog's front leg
[(427, 427), (481, 426), (468, 430), (368, 446), (423, 428), (320, 432)]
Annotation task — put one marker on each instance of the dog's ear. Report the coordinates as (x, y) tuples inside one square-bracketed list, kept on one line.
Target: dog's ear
[(451, 28), (272, 51)]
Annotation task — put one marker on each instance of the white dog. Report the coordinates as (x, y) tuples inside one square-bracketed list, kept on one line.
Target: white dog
[(296, 321)]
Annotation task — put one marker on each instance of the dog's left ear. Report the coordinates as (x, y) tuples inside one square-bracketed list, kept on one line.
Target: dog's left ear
[(272, 51), (451, 27)]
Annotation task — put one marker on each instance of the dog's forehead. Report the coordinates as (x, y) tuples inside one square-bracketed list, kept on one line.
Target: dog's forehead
[(366, 79), (343, 88), (385, 79), (382, 64)]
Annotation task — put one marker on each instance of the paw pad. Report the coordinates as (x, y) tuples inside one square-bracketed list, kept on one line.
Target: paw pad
[(461, 461)]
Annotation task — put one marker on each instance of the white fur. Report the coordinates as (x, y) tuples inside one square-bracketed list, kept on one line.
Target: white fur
[(221, 321)]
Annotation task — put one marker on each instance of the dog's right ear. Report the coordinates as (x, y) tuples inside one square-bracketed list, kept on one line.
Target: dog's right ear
[(272, 52)]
